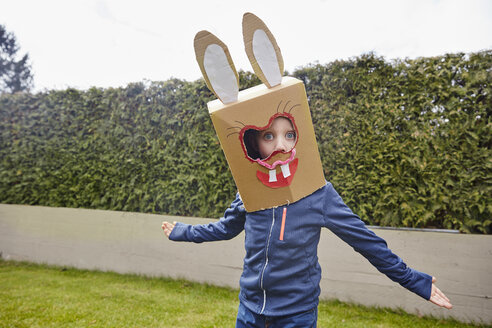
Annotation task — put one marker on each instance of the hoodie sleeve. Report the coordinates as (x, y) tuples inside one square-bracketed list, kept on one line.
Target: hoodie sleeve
[(350, 228), (229, 226)]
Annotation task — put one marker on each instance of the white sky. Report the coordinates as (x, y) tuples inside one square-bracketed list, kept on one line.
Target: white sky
[(103, 43)]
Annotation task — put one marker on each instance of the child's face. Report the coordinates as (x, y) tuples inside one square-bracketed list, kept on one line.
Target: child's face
[(280, 136)]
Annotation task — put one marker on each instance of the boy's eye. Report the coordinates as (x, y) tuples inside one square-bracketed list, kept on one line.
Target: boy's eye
[(268, 136), (290, 135)]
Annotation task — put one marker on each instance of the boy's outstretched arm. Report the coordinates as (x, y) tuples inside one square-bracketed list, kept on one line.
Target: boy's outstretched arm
[(168, 227), (438, 297), (227, 227), (350, 228)]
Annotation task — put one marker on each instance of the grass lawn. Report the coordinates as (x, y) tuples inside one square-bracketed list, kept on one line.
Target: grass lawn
[(34, 295)]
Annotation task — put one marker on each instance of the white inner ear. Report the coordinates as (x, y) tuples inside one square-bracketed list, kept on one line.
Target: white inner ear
[(266, 57), (220, 74)]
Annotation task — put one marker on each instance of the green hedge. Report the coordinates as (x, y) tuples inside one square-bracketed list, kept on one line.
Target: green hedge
[(406, 143)]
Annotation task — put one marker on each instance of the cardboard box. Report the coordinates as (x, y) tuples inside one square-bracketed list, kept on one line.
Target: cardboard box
[(287, 175), (256, 107)]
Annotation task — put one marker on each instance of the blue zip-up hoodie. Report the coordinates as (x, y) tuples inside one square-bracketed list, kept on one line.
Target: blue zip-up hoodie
[(281, 277)]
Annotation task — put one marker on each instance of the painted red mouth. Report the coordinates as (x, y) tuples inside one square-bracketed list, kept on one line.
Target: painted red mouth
[(279, 180)]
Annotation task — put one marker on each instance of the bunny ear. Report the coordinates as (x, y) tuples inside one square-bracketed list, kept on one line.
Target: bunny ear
[(263, 51), (217, 67)]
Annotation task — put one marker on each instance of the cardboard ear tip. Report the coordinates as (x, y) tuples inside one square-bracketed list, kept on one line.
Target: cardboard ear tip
[(250, 17), (200, 35)]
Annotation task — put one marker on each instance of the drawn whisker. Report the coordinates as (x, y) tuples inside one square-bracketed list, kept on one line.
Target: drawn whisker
[(293, 107), (240, 123), (286, 105), (234, 127), (230, 134), (279, 105)]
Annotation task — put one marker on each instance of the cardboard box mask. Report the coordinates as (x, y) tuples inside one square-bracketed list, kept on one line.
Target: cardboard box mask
[(246, 120)]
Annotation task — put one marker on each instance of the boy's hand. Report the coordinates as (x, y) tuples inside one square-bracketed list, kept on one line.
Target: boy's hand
[(168, 227), (438, 297)]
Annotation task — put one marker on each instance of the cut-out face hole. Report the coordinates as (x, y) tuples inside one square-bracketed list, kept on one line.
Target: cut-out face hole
[(273, 148), (280, 136)]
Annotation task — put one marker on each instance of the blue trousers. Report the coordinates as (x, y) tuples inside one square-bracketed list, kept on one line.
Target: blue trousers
[(248, 319)]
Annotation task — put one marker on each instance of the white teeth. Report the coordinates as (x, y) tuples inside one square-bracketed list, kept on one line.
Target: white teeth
[(273, 176), (285, 170)]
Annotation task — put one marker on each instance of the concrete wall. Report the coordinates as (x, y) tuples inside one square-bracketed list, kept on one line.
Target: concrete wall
[(134, 243)]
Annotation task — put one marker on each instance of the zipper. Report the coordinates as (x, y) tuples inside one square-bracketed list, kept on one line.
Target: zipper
[(266, 261), (282, 227)]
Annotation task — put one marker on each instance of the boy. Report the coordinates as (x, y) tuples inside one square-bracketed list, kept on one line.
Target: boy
[(277, 169)]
